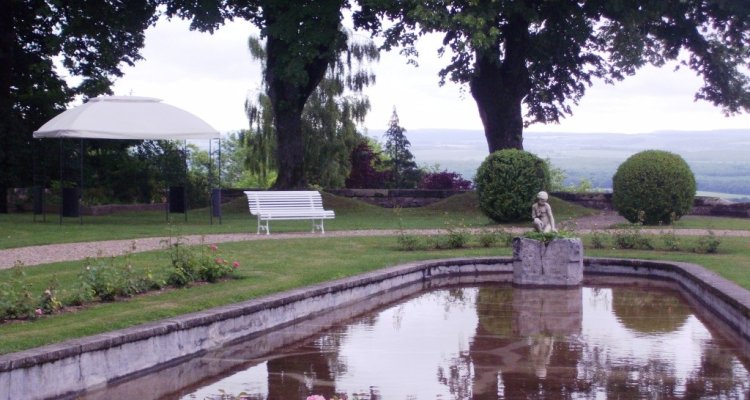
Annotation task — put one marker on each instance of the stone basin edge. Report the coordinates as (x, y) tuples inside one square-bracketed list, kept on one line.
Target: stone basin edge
[(92, 361)]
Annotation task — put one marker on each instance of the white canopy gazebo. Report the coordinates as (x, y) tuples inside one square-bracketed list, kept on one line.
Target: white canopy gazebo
[(126, 118)]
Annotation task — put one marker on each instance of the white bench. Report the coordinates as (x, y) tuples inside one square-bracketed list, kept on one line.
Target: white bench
[(287, 205)]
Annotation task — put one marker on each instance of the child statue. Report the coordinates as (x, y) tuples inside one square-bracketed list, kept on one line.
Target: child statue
[(541, 213)]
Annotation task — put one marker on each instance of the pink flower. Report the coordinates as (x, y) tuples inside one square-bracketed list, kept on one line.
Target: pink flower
[(316, 397), (235, 264), (213, 247), (219, 260), (38, 311)]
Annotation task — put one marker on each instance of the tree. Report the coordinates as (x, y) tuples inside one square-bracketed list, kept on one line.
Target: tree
[(302, 39), (367, 170), (91, 39), (543, 54), (401, 161), (329, 119)]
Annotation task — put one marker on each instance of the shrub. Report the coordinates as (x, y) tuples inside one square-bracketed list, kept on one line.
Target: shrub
[(197, 263), (653, 187), (487, 238), (408, 242), (444, 181), (598, 240), (632, 238), (707, 244), (16, 300), (671, 241), (507, 183)]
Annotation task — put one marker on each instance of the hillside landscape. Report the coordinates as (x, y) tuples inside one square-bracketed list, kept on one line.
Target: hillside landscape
[(719, 159)]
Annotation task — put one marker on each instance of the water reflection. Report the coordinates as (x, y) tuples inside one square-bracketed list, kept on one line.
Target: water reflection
[(494, 342)]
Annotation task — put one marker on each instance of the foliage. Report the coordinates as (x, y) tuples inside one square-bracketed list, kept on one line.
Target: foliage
[(547, 237), (671, 241), (444, 180), (400, 160), (653, 187), (557, 181), (408, 242), (328, 122), (41, 44), (599, 240), (16, 300), (708, 244), (367, 167), (458, 236), (487, 238), (632, 238), (541, 56), (190, 265), (507, 183), (113, 277)]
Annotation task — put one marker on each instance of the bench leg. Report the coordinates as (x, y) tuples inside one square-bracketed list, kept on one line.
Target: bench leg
[(318, 226), (263, 227)]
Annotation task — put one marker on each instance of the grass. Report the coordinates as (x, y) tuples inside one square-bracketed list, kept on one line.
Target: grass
[(703, 222), (17, 230)]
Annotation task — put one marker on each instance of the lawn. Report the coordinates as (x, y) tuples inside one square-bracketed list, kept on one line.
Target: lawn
[(17, 230)]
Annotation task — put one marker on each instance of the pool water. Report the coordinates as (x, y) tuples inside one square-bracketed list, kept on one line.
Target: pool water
[(500, 342)]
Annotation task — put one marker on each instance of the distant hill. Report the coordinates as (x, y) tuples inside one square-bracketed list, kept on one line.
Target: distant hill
[(719, 159)]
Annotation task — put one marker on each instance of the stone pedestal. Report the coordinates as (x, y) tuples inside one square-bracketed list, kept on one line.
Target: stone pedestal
[(558, 263)]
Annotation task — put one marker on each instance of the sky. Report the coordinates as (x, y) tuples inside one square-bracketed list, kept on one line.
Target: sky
[(212, 75)]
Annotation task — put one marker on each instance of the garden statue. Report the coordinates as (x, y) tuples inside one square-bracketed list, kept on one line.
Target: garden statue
[(541, 213)]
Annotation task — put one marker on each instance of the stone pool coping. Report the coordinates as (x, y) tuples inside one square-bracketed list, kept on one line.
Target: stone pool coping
[(70, 367)]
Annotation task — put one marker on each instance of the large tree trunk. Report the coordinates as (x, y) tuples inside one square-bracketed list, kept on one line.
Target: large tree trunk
[(303, 39), (290, 150), (288, 99), (499, 87)]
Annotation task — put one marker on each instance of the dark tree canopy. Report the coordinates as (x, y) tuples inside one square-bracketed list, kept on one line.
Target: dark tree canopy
[(92, 40), (543, 54)]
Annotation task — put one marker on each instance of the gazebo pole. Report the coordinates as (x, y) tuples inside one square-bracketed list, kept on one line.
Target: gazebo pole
[(219, 175), (210, 183), (80, 189), (61, 180)]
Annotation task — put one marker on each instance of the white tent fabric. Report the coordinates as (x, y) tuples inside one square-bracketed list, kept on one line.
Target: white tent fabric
[(127, 118)]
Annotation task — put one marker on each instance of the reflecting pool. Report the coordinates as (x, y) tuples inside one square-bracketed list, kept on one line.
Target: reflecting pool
[(491, 342)]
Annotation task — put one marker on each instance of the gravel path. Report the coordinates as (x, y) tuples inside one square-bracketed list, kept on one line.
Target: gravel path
[(35, 255)]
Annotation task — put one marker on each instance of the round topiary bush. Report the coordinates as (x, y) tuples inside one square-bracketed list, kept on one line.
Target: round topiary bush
[(653, 187), (507, 183)]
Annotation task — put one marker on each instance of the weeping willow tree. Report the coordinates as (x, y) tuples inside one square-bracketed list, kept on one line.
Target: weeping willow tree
[(329, 119)]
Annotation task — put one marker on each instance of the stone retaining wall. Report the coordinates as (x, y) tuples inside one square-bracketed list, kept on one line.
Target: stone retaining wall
[(709, 206), (68, 368), (390, 198)]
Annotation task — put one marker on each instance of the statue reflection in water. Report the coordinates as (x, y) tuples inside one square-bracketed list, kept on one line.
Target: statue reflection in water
[(517, 356)]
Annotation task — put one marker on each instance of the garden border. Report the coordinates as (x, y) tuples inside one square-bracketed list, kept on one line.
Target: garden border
[(71, 367)]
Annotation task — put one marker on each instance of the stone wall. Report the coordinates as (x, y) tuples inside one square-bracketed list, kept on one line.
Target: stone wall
[(710, 206), (390, 198)]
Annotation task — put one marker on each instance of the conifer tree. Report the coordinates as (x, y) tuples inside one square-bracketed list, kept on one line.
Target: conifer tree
[(404, 169)]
